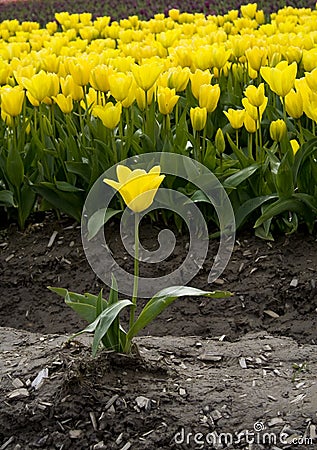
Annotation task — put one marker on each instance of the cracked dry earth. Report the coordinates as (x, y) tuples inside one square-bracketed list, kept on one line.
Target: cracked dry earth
[(236, 373)]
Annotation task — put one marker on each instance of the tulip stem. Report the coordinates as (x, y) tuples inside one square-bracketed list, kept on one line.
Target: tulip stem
[(136, 269)]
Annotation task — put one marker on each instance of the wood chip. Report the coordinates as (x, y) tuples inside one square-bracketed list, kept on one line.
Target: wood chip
[(111, 401), (7, 443), (17, 383), (52, 239), (182, 392), (126, 446), (143, 402), (219, 281), (294, 282), (270, 397), (39, 379), (243, 363), (9, 257), (271, 313), (93, 420), (209, 357), (298, 399), (18, 393), (75, 434), (275, 421)]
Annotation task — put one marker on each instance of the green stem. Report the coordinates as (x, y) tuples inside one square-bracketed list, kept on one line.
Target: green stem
[(136, 269), (237, 138), (301, 136)]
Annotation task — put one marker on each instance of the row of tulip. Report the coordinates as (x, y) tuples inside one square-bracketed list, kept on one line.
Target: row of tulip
[(234, 92)]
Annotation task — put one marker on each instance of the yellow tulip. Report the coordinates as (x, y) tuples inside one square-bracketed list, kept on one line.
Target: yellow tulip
[(295, 145), (198, 117), (311, 79), (235, 117), (8, 120), (220, 141), (249, 123), (166, 99), (42, 85), (69, 87), (146, 75), (255, 95), (255, 112), (257, 57), (219, 56), (178, 78), (281, 78), (109, 114), (119, 84), (99, 77), (199, 78), (294, 104), (127, 102), (79, 69), (278, 130), (12, 100), (249, 10), (143, 98), (5, 72), (65, 103), (137, 187), (209, 96)]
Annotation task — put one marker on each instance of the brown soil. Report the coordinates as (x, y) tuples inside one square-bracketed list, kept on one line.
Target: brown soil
[(262, 366)]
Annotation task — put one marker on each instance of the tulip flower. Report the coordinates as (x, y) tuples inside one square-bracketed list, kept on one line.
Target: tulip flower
[(79, 69), (199, 78), (209, 96), (311, 79), (295, 145), (166, 99), (294, 104), (255, 112), (278, 130), (99, 77), (219, 56), (109, 114), (198, 117), (255, 95), (146, 74), (281, 78), (250, 124), (249, 10), (220, 141), (42, 85), (178, 78), (12, 100), (119, 84), (137, 187), (69, 87), (235, 117), (65, 103), (257, 57)]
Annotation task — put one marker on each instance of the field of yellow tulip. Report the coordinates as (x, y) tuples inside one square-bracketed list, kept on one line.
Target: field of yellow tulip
[(236, 92)]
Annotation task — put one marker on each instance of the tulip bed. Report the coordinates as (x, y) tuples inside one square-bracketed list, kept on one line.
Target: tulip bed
[(236, 92)]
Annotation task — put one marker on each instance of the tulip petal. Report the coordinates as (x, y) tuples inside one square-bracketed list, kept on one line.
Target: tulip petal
[(123, 173)]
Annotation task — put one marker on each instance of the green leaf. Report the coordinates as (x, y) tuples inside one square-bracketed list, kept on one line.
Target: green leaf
[(237, 178), (28, 198), (243, 159), (6, 198), (67, 187), (15, 168), (281, 206), (104, 321), (79, 168), (99, 219), (249, 206), (163, 299), (284, 178)]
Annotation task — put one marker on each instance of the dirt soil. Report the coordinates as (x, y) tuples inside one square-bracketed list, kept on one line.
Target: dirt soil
[(244, 364)]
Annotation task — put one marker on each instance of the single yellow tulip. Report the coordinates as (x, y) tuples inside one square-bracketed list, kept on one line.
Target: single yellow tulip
[(209, 96), (257, 57), (248, 10), (42, 85), (65, 103), (294, 104), (166, 99), (295, 145), (250, 124), (278, 130), (281, 78), (178, 78), (198, 117), (69, 87), (146, 75), (255, 112), (137, 187), (119, 84), (12, 100), (99, 77), (255, 95), (79, 69), (109, 114), (199, 78), (235, 117)]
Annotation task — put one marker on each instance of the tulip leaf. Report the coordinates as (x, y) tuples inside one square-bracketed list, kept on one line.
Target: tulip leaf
[(283, 205), (15, 168), (79, 168), (163, 299), (66, 187), (249, 206), (99, 219), (6, 198), (237, 178), (284, 178)]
